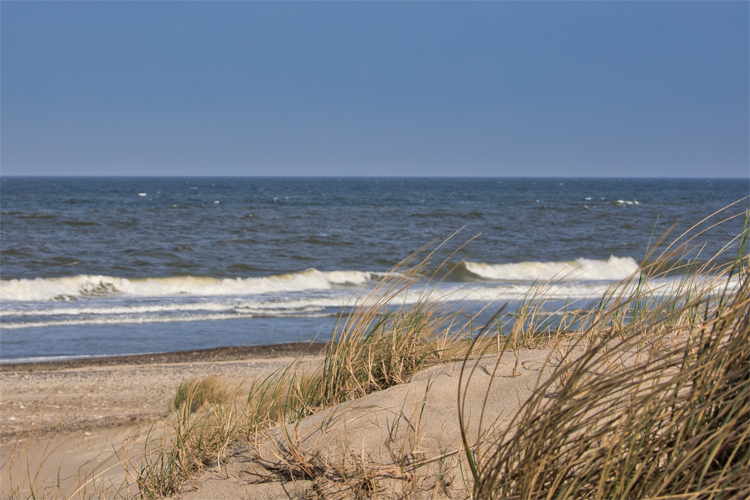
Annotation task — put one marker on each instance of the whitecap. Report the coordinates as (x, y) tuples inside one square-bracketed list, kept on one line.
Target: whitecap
[(70, 288), (615, 268)]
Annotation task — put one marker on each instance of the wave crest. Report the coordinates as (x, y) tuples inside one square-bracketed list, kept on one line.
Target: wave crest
[(74, 287), (613, 269)]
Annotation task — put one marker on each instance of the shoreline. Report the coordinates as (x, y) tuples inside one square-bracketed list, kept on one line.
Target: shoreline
[(84, 395), (214, 354)]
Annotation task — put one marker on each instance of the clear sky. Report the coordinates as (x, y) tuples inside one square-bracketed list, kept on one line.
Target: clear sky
[(644, 89)]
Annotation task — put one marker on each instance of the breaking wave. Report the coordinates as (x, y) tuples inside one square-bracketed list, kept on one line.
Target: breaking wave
[(71, 288), (613, 269)]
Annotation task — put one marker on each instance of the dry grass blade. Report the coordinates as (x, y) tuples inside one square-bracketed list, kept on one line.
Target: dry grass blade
[(199, 391), (383, 343), (196, 436), (657, 404)]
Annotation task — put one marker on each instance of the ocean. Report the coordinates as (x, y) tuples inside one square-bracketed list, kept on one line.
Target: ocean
[(110, 266)]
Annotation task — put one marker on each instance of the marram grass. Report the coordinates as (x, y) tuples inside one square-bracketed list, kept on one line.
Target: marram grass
[(381, 343), (196, 392), (650, 398)]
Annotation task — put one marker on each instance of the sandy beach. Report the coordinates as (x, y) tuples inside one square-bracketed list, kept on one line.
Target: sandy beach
[(78, 418), (73, 413), (69, 416)]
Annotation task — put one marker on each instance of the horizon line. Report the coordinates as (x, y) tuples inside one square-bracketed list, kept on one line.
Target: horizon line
[(328, 176)]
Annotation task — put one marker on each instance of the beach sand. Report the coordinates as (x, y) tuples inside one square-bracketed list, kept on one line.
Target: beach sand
[(84, 416), (70, 415), (402, 442)]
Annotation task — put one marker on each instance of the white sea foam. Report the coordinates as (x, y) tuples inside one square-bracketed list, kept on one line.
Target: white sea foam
[(616, 268), (41, 359), (316, 304), (135, 320), (69, 288), (519, 291), (138, 309), (57, 314), (575, 290), (348, 277)]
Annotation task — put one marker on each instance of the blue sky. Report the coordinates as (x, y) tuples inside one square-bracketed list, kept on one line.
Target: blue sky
[(644, 89)]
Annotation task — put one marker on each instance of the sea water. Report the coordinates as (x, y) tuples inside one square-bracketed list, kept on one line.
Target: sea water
[(106, 266)]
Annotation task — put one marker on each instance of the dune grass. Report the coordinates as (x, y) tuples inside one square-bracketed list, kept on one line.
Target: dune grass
[(204, 424), (383, 341), (649, 397), (636, 418), (195, 393)]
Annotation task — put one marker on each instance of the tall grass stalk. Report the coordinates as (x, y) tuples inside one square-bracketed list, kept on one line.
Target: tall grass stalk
[(205, 423), (650, 397)]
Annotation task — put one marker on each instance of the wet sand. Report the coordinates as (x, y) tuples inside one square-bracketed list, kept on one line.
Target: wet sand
[(236, 353)]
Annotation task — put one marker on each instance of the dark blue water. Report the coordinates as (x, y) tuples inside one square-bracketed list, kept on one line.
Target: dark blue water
[(93, 266)]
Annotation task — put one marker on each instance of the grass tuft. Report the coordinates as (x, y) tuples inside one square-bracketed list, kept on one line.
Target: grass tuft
[(382, 342), (205, 423), (199, 391), (648, 398)]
